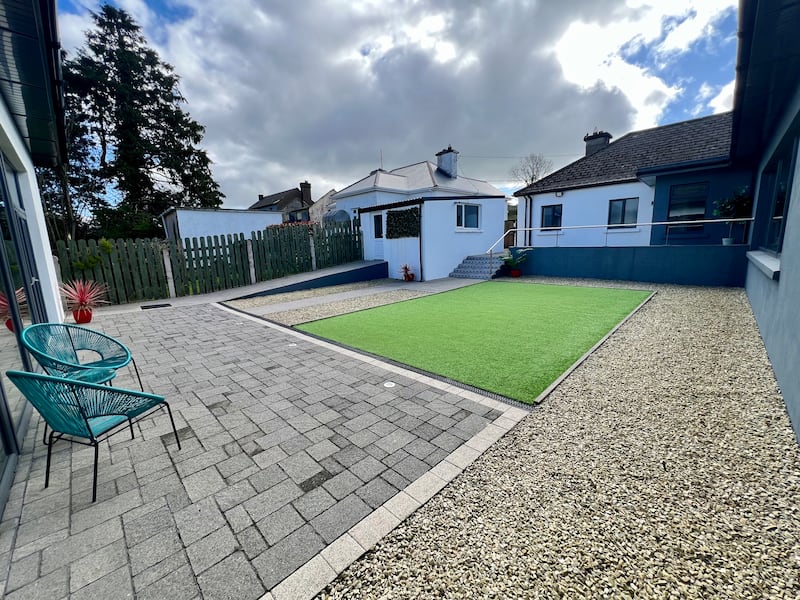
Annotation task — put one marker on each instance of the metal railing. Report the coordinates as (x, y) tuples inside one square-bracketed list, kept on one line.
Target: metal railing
[(559, 231)]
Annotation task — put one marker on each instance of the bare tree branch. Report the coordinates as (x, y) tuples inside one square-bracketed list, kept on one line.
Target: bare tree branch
[(531, 168)]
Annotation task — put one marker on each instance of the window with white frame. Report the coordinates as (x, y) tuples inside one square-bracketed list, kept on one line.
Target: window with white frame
[(623, 212), (377, 224), (468, 216), (551, 216)]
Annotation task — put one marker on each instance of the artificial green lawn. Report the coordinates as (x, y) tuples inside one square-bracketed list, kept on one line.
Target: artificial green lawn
[(511, 338)]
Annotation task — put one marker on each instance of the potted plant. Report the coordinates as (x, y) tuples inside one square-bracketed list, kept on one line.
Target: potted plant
[(5, 309), (737, 206), (408, 274), (82, 296), (513, 260)]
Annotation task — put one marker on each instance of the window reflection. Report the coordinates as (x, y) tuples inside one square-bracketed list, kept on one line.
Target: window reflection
[(9, 350)]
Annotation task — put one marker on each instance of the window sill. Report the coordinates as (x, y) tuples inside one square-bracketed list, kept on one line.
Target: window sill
[(768, 264), (468, 230)]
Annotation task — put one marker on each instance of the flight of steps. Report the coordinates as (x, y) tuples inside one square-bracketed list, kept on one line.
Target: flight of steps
[(480, 266)]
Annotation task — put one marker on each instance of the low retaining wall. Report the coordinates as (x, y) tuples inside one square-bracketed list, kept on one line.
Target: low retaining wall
[(687, 265)]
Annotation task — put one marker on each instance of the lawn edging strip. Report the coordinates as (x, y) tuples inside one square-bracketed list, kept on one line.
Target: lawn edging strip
[(549, 389)]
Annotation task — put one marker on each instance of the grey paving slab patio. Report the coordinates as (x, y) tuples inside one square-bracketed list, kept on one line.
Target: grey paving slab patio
[(297, 457)]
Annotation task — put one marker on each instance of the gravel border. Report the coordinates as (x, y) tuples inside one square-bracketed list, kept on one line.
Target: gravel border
[(664, 466)]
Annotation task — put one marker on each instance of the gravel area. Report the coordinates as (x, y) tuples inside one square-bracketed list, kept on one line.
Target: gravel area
[(663, 467), (341, 307), (246, 303)]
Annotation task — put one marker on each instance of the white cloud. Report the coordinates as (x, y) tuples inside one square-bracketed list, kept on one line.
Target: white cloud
[(592, 53), (315, 90), (723, 101)]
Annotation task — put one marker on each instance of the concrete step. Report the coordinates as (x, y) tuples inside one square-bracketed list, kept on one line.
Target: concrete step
[(478, 266)]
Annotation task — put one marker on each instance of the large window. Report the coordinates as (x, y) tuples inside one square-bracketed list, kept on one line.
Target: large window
[(468, 216), (377, 225), (624, 211), (778, 178), (687, 202), (551, 216)]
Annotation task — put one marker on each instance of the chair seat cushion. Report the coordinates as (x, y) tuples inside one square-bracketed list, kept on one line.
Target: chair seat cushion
[(100, 425)]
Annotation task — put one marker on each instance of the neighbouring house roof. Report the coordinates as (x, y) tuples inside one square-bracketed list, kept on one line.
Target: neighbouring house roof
[(280, 200), (697, 141), (419, 177)]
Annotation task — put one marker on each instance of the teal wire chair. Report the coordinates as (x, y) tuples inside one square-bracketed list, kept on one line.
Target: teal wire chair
[(86, 411), (57, 347)]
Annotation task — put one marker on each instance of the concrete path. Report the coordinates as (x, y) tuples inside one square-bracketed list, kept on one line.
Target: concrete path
[(297, 457)]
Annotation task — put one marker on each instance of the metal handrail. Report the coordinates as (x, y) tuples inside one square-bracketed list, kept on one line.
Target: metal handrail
[(619, 226), (558, 230)]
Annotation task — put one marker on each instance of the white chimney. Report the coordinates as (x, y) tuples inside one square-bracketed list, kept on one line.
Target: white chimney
[(447, 161)]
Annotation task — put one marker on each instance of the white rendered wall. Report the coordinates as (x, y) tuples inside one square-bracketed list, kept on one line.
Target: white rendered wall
[(16, 151), (589, 206), (444, 246), (200, 223)]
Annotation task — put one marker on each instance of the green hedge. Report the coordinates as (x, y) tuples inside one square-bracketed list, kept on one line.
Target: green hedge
[(403, 223)]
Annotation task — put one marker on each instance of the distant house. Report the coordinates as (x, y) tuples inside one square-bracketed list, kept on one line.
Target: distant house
[(293, 204), (425, 215), (182, 223), (322, 206), (668, 173)]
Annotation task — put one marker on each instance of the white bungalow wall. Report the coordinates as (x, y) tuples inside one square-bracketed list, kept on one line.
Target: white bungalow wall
[(589, 206), (16, 151), (444, 246)]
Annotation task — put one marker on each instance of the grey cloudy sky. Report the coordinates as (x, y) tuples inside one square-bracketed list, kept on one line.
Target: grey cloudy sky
[(316, 89)]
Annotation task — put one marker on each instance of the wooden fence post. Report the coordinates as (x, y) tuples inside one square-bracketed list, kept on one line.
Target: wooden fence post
[(313, 249), (251, 261), (168, 271)]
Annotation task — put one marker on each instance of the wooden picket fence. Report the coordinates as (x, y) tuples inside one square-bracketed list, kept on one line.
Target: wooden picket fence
[(137, 270)]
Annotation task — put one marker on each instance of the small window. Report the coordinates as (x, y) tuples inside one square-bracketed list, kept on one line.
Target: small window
[(467, 216), (624, 211), (377, 225), (687, 202), (551, 216)]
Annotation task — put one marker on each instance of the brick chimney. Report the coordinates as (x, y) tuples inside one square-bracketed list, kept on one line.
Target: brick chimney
[(305, 193), (447, 161), (596, 141)]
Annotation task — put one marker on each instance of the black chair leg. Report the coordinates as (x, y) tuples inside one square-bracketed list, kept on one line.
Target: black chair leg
[(171, 420), (94, 483), (49, 453), (130, 424), (44, 435), (136, 370)]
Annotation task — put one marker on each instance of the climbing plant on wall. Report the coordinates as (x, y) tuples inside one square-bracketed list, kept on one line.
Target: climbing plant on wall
[(403, 223)]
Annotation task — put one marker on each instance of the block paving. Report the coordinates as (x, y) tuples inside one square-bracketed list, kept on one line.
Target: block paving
[(295, 460)]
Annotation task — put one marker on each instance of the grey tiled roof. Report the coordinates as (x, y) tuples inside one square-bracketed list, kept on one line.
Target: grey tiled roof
[(688, 141)]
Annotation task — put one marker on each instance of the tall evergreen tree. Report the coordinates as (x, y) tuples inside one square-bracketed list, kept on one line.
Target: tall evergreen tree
[(144, 146)]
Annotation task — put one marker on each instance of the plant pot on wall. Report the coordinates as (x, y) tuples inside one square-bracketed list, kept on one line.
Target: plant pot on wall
[(82, 315)]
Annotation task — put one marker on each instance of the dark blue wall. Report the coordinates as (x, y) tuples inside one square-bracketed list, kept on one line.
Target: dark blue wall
[(689, 265), (374, 271), (721, 184)]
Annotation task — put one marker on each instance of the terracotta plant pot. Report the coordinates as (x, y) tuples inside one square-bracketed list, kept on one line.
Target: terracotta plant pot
[(10, 324), (408, 277), (82, 315), (516, 272)]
